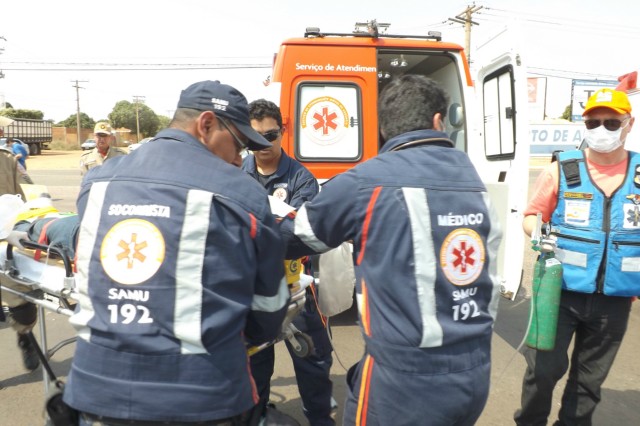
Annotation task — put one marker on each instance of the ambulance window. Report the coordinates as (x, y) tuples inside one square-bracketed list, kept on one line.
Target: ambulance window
[(328, 124), (499, 115)]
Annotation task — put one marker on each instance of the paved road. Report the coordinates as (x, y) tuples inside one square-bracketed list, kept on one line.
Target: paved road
[(21, 398)]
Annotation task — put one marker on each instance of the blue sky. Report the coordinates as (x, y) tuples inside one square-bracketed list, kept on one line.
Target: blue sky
[(560, 39)]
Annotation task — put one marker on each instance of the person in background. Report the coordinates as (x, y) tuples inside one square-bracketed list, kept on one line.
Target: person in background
[(9, 178), (591, 198), (103, 150), (22, 314), (289, 181), (426, 286), (180, 268), (21, 154)]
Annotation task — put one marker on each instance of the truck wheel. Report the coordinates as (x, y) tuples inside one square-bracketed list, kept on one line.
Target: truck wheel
[(34, 149)]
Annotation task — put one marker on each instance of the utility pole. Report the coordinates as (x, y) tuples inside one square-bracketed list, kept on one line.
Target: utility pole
[(465, 18), (77, 86), (137, 99), (2, 50)]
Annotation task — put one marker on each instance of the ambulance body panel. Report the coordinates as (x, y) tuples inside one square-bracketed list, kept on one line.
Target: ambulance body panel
[(330, 85)]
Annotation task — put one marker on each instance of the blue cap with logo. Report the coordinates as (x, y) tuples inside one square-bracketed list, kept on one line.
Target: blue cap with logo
[(224, 101)]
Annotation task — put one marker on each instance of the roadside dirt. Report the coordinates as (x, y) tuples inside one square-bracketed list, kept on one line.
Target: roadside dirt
[(52, 160)]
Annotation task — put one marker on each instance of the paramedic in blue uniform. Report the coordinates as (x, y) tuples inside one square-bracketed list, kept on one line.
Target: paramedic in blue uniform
[(289, 181), (592, 200), (425, 238), (180, 265)]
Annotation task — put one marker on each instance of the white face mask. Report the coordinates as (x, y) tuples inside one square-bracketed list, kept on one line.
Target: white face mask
[(603, 140)]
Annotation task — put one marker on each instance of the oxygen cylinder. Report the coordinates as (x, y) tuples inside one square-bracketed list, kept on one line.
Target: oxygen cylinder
[(545, 302)]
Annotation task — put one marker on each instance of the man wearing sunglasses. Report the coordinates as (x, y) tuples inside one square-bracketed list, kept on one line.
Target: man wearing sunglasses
[(591, 198), (181, 266), (291, 182)]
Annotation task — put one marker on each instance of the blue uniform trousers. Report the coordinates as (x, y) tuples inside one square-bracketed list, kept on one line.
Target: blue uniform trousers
[(312, 372), (443, 386), (599, 323)]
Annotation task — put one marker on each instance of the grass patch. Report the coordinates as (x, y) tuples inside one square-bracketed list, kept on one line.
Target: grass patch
[(63, 145)]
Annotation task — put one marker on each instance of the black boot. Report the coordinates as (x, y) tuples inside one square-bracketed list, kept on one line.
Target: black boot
[(29, 354)]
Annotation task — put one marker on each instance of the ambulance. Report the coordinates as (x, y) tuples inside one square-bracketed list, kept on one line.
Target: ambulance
[(329, 88), (629, 84)]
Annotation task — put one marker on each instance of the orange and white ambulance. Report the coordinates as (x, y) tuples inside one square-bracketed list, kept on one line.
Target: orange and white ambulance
[(330, 84), (629, 84)]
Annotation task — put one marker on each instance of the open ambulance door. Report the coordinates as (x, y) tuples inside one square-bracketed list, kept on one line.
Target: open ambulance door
[(500, 153)]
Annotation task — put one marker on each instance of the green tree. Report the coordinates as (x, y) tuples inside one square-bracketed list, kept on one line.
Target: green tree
[(22, 113), (164, 122), (86, 122), (124, 115), (567, 113)]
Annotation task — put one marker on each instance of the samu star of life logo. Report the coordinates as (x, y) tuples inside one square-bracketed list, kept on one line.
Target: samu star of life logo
[(132, 251), (324, 120), (632, 216), (462, 256)]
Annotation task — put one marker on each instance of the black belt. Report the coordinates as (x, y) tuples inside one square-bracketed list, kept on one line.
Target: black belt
[(108, 421)]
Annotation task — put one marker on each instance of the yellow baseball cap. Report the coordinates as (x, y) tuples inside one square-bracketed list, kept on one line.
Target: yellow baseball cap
[(608, 98)]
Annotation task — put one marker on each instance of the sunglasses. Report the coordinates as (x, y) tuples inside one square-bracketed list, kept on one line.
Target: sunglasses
[(271, 135), (611, 124)]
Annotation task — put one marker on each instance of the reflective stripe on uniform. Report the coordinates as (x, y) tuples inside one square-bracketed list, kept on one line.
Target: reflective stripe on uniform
[(302, 229), (272, 303), (86, 243), (187, 322), (493, 246), (424, 257), (363, 396)]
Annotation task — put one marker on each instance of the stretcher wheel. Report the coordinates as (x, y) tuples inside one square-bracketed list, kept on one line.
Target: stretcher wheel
[(304, 343)]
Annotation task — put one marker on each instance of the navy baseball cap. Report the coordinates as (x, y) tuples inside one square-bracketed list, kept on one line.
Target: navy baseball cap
[(225, 101)]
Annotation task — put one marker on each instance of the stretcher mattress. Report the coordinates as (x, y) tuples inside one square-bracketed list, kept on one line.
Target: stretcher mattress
[(47, 274)]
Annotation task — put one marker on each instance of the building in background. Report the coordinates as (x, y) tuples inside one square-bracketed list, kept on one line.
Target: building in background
[(581, 90)]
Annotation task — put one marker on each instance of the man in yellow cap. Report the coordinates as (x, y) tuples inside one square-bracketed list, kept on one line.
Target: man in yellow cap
[(103, 150), (591, 200)]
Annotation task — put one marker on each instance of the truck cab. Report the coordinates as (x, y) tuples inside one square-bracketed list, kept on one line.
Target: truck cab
[(330, 84)]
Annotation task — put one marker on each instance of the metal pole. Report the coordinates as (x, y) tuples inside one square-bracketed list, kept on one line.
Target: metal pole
[(78, 126), (137, 100)]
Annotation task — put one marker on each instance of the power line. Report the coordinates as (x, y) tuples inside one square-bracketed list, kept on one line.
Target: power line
[(172, 67)]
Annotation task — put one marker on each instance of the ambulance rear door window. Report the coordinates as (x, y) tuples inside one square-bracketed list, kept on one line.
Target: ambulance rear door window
[(328, 122)]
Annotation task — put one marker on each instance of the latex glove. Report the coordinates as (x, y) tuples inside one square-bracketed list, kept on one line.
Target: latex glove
[(14, 238)]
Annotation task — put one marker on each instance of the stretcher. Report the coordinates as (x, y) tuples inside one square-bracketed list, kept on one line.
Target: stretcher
[(49, 283)]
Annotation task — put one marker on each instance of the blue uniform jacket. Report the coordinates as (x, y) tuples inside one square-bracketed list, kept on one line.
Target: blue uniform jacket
[(594, 230), (425, 242), (291, 183), (179, 264)]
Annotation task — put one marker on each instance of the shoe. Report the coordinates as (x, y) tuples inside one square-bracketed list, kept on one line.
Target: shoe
[(275, 417), (334, 409), (29, 355)]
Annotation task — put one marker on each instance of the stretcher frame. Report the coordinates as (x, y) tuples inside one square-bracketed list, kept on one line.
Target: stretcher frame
[(57, 298)]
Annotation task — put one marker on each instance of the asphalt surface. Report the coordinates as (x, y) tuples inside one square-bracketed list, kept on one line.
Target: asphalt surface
[(22, 393)]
